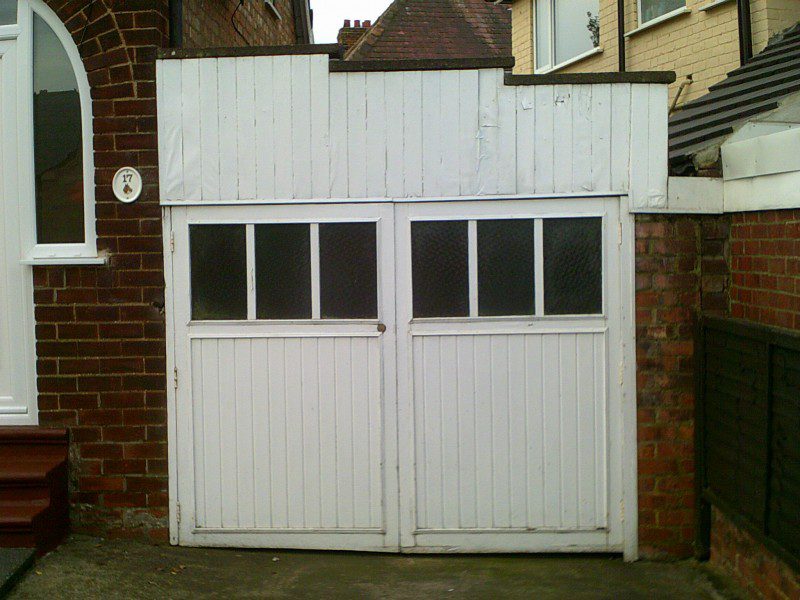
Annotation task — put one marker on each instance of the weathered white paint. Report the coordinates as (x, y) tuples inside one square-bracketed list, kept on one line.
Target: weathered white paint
[(285, 128), (694, 195)]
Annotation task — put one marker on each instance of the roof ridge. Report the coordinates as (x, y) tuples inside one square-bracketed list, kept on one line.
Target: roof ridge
[(370, 37)]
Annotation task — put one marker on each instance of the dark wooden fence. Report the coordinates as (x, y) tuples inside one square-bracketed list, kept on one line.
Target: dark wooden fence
[(748, 431)]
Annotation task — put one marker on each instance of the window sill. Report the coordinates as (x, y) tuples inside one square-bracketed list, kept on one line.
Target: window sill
[(66, 261), (571, 61), (658, 20), (712, 5)]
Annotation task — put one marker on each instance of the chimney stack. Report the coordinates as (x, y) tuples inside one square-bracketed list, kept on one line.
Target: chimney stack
[(351, 32)]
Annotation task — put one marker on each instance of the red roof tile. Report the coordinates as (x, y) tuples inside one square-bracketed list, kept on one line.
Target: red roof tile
[(417, 29)]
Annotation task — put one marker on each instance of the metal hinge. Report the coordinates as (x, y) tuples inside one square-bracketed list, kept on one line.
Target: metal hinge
[(172, 241), (175, 380)]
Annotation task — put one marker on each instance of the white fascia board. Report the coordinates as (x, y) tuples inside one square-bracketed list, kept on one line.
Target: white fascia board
[(765, 192), (690, 195), (768, 154)]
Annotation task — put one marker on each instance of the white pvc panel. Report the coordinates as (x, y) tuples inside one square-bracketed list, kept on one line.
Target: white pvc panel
[(287, 433), (510, 431)]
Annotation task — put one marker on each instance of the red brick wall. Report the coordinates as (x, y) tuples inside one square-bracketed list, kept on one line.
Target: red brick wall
[(681, 267), (207, 23), (750, 563), (765, 267)]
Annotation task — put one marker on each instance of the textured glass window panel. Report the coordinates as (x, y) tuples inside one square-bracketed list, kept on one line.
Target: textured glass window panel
[(8, 12), (573, 266), (439, 268), (575, 23), (505, 267), (652, 9), (348, 270), (219, 272), (283, 271), (58, 142)]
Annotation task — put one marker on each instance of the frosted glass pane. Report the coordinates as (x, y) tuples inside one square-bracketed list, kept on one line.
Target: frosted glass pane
[(505, 267), (439, 268), (219, 272), (348, 267), (283, 271), (573, 266)]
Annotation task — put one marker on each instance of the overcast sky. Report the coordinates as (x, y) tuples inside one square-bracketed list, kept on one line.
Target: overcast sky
[(329, 15)]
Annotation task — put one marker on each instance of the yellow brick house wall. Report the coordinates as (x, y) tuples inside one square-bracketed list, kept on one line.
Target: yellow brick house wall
[(701, 43)]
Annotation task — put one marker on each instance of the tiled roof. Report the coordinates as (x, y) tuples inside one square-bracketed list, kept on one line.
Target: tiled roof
[(416, 29), (752, 89)]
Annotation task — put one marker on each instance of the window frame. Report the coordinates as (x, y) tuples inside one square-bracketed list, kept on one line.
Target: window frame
[(32, 251), (551, 43), (659, 18)]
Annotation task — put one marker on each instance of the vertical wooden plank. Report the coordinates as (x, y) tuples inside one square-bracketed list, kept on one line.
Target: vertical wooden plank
[(569, 417), (211, 434), (601, 427), (432, 143), (449, 123), (526, 131), (551, 429), (198, 418), (469, 130), (328, 429), (261, 432), (586, 429), (620, 136), (320, 127), (209, 129), (488, 177), (483, 431), (601, 137), (311, 431), (294, 371), (534, 393), (562, 138), (393, 86), (301, 126), (412, 134), (517, 431), (500, 431), (376, 432), (246, 126), (432, 411), (543, 139), (190, 114), (278, 445), (357, 134), (507, 149), (361, 457), (376, 135), (657, 144), (451, 469), (468, 489), (227, 428), (582, 138), (639, 149), (420, 447), (338, 135), (170, 131), (265, 126), (344, 432), (245, 448), (282, 129), (228, 149)]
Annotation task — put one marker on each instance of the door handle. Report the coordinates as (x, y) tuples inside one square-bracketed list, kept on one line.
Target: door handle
[(381, 328)]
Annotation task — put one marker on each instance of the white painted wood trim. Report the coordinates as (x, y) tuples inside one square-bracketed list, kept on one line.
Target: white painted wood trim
[(658, 20), (768, 154), (571, 61)]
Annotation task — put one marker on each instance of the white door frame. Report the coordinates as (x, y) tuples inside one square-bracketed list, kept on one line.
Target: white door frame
[(180, 329)]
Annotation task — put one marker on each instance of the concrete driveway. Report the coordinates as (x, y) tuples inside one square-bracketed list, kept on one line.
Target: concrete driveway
[(87, 568)]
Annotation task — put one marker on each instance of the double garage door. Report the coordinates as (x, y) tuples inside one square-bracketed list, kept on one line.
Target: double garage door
[(431, 376)]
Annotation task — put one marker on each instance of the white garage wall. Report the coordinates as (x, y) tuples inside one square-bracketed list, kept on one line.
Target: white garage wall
[(276, 128)]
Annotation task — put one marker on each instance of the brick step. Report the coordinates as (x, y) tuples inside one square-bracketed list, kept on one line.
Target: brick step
[(27, 471), (16, 442)]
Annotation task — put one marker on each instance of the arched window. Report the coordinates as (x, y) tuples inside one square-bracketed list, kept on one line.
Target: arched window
[(54, 135)]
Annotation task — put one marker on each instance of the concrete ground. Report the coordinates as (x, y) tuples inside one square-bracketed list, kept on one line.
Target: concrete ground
[(88, 568)]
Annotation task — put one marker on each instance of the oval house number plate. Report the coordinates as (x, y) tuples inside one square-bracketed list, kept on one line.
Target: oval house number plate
[(127, 184)]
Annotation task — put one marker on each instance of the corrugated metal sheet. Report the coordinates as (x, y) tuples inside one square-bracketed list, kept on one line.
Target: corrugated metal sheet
[(752, 89)]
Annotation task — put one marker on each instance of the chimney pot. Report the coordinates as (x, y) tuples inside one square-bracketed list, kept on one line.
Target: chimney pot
[(367, 23), (358, 24), (347, 22)]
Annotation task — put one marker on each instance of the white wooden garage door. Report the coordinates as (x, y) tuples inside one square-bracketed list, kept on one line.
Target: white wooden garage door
[(413, 376)]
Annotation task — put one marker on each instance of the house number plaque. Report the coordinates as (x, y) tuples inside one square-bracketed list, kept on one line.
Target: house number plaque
[(127, 185)]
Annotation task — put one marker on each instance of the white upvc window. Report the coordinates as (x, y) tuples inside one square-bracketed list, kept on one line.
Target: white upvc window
[(53, 122), (564, 30), (654, 9)]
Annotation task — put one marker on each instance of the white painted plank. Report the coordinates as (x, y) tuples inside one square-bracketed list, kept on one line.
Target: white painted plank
[(376, 135), (246, 127), (393, 86), (431, 134), (357, 134), (209, 130), (601, 137), (277, 438), (228, 150), (483, 431), (449, 433), (294, 370), (265, 128), (301, 126), (227, 438), (562, 140), (320, 126), (587, 430), (432, 414), (328, 434), (344, 433), (620, 136), (489, 119), (211, 434), (420, 459), (282, 119), (261, 433), (518, 373), (581, 138), (601, 441), (507, 149), (198, 450), (412, 134), (309, 364), (359, 361), (450, 184), (501, 477), (338, 135), (657, 145), (534, 394), (375, 431), (190, 114), (244, 446), (551, 429), (525, 134), (170, 132), (467, 141), (639, 151), (467, 448), (569, 431), (543, 139)]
